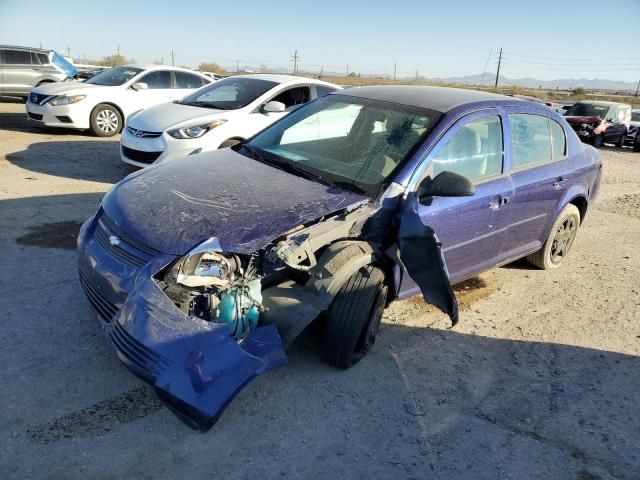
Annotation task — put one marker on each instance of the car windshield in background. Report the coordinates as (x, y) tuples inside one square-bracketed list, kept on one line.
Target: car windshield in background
[(114, 76), (635, 116), (229, 93), (354, 143), (59, 61), (587, 110)]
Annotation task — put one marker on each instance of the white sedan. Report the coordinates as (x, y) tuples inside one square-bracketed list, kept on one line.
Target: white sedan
[(219, 115), (103, 102)]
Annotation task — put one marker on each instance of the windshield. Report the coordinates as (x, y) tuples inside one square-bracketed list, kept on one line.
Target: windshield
[(63, 65), (230, 93), (353, 142), (587, 110), (114, 76), (635, 116)]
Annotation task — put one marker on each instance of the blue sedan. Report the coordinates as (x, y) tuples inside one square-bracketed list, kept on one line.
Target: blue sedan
[(203, 271)]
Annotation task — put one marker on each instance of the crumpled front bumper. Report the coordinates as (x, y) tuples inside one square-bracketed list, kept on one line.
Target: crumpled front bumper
[(194, 365)]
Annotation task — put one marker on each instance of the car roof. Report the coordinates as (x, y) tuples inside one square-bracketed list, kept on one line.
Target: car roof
[(603, 103), (441, 99), (281, 78), (31, 49), (153, 66)]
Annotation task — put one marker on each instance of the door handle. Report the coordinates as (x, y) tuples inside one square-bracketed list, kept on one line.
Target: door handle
[(559, 182), (504, 200), (498, 202)]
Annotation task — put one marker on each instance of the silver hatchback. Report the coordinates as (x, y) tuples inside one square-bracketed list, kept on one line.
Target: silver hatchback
[(23, 68)]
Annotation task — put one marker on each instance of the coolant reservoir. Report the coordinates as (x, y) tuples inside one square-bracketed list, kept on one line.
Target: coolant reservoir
[(238, 308)]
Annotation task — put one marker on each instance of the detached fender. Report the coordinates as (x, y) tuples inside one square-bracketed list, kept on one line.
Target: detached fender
[(291, 307), (420, 252)]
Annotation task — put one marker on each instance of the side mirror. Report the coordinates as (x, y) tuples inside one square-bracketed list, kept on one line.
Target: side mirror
[(445, 184), (139, 86), (273, 107)]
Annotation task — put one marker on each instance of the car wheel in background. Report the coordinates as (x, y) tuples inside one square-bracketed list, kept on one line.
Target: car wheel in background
[(354, 318), (636, 143), (105, 120), (230, 143), (620, 143), (598, 140), (560, 240)]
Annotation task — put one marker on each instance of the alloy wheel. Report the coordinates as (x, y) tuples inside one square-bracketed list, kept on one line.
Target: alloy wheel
[(563, 239), (107, 121)]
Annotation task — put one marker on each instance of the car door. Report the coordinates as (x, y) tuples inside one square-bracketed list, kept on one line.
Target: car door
[(186, 83), (159, 90), (618, 115), (291, 97), (541, 173), (470, 229), (19, 75)]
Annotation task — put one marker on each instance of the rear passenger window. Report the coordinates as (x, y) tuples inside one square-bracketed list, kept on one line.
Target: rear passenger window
[(293, 97), (530, 139), (558, 141), (17, 57), (157, 79), (188, 80), (322, 90), (475, 151)]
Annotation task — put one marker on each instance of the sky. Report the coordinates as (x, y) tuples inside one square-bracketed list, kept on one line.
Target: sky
[(542, 39)]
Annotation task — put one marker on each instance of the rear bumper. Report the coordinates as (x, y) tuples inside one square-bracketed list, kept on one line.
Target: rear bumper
[(194, 365)]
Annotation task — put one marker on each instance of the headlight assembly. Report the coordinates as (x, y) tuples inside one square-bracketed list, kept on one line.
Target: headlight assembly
[(195, 131), (66, 100), (205, 266)]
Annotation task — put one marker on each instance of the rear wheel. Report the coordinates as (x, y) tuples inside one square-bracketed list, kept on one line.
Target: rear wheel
[(105, 120), (560, 240), (354, 318)]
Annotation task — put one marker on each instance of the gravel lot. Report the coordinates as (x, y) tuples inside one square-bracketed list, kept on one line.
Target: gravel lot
[(540, 379)]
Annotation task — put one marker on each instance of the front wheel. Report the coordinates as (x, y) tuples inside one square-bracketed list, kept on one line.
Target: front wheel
[(560, 240), (105, 120), (354, 318), (598, 140)]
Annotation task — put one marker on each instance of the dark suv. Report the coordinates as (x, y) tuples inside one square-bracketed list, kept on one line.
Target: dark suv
[(598, 123), (23, 68)]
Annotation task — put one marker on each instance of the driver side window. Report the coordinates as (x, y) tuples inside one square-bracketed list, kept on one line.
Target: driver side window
[(474, 151)]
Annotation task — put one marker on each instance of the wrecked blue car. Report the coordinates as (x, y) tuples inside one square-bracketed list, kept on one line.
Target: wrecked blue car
[(204, 270)]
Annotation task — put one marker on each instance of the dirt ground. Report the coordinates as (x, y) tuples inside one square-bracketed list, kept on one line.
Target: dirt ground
[(540, 379)]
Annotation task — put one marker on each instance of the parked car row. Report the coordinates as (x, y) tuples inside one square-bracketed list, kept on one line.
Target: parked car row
[(202, 270)]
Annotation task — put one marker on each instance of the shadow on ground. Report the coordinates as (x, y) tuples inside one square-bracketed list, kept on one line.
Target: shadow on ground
[(95, 160)]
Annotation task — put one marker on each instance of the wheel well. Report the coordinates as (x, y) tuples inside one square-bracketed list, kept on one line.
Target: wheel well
[(114, 106), (44, 81), (582, 204)]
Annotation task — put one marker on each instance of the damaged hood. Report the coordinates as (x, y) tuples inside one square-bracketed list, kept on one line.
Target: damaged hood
[(588, 120), (223, 194)]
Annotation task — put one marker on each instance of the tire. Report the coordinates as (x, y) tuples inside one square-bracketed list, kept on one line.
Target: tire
[(598, 141), (354, 318), (105, 120), (636, 143), (561, 238), (230, 143), (620, 143)]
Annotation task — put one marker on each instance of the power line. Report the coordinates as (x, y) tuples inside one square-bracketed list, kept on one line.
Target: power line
[(485, 66)]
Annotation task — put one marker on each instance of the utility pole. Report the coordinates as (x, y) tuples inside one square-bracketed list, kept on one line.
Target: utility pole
[(295, 62), (321, 71), (237, 66), (162, 60), (498, 71), (40, 44), (395, 65), (347, 70), (173, 63), (68, 51), (637, 88), (416, 75), (118, 50)]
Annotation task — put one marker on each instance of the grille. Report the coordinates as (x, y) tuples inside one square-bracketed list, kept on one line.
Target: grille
[(101, 305), (143, 133), (38, 98), (139, 155), (138, 354), (121, 245), (35, 116)]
